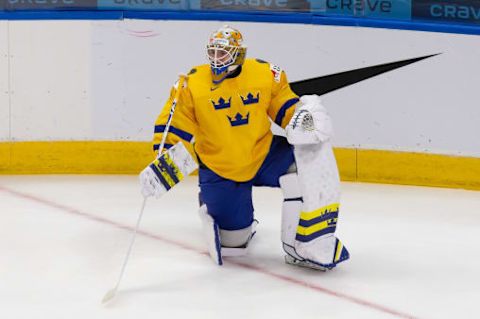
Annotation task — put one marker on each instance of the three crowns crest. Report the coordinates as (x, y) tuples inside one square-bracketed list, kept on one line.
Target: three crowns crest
[(222, 103), (238, 119), (250, 99)]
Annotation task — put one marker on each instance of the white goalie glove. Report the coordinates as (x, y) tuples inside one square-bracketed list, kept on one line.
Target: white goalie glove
[(166, 171), (310, 124)]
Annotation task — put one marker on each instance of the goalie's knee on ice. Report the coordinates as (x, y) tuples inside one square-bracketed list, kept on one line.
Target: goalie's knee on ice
[(238, 238), (222, 242)]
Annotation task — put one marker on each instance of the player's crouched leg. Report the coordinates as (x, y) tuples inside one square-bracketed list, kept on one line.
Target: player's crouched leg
[(226, 211), (223, 243)]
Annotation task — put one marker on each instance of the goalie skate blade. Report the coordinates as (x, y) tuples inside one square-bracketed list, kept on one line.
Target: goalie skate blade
[(292, 261)]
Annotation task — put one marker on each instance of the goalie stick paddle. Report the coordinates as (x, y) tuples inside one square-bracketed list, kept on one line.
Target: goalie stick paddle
[(112, 292)]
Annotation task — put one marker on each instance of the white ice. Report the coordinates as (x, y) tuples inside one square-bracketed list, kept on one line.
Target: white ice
[(63, 239)]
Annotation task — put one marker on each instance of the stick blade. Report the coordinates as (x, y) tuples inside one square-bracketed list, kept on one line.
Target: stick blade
[(109, 296)]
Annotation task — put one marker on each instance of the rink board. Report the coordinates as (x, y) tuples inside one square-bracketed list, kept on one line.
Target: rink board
[(360, 165)]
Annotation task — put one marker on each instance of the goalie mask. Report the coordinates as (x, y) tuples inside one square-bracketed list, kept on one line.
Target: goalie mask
[(225, 51)]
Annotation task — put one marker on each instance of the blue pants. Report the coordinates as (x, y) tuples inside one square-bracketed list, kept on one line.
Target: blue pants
[(230, 202)]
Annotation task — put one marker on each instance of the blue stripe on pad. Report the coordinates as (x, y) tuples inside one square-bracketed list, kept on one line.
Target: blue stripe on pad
[(160, 177)]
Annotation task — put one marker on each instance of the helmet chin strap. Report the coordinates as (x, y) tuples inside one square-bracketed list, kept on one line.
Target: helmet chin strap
[(232, 68)]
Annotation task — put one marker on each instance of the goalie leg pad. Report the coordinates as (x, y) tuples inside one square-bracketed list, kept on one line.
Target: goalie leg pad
[(237, 242), (235, 238), (291, 208), (318, 176), (319, 185), (225, 243), (212, 235)]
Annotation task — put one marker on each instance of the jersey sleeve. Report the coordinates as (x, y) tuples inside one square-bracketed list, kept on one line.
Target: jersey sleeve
[(183, 125), (282, 105)]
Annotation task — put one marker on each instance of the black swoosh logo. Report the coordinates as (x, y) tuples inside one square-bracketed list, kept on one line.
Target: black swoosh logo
[(214, 88), (328, 83)]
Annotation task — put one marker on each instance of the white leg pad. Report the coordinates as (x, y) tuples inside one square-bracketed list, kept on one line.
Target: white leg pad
[(212, 235), (291, 208), (317, 175), (235, 238), (237, 242), (311, 225), (320, 250)]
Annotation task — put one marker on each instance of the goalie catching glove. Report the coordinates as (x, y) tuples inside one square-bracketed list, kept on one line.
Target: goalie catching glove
[(310, 123), (166, 171)]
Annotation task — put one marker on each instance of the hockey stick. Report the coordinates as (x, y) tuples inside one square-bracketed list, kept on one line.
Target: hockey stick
[(181, 80), (112, 292)]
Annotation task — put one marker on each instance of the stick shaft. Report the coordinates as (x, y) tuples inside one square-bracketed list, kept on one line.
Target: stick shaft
[(132, 241), (172, 110), (110, 294)]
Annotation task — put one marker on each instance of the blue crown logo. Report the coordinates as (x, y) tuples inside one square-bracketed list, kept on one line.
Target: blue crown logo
[(222, 103), (332, 222), (250, 99), (239, 119)]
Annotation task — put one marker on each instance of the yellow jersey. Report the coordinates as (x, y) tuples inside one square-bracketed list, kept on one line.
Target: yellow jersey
[(228, 125)]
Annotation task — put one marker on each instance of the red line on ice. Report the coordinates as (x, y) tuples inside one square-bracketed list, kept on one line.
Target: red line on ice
[(288, 279)]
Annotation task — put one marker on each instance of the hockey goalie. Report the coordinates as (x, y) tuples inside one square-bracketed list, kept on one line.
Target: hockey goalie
[(222, 118)]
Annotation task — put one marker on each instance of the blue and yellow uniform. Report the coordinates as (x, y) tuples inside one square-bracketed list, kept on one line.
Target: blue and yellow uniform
[(228, 128), (231, 121)]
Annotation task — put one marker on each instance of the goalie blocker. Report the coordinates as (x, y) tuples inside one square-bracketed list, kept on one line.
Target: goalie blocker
[(167, 170)]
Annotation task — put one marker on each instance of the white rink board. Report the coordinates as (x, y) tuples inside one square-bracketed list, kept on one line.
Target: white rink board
[(107, 80), (4, 101), (50, 78)]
